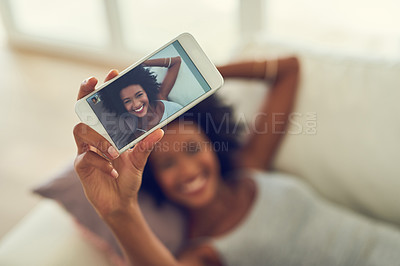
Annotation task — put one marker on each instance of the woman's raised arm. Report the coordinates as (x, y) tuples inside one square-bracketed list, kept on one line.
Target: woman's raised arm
[(269, 127), (111, 183), (173, 64)]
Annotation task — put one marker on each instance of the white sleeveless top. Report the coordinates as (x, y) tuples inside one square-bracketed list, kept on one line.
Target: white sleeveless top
[(121, 132), (170, 108), (290, 225)]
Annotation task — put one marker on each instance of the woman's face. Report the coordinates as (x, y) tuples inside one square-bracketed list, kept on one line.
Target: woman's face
[(135, 100), (185, 166)]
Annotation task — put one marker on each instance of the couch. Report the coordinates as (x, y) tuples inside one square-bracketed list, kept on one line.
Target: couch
[(342, 140)]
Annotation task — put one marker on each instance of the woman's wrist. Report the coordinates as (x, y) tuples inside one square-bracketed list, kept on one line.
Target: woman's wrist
[(166, 62), (271, 70), (267, 70), (123, 213)]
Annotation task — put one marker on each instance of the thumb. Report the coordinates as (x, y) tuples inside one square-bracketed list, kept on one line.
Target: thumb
[(142, 150)]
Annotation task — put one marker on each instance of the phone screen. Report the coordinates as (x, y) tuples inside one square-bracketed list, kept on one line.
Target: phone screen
[(148, 94)]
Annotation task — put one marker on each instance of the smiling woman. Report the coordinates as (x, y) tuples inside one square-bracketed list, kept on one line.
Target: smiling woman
[(149, 113), (139, 100), (235, 215)]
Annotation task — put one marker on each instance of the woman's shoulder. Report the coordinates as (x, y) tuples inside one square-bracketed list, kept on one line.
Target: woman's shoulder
[(170, 108), (277, 184), (200, 253), (171, 104)]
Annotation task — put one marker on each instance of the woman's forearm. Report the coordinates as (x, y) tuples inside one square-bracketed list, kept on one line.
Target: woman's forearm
[(256, 69), (170, 78), (140, 245), (162, 62), (173, 64)]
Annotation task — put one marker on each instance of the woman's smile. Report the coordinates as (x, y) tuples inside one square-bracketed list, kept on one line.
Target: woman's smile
[(194, 186), (140, 109)]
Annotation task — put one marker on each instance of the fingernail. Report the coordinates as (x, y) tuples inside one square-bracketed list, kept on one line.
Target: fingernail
[(114, 173), (88, 80), (113, 152)]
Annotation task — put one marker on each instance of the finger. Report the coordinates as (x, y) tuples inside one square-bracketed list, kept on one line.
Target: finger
[(112, 74), (85, 137), (142, 150), (87, 86), (90, 159)]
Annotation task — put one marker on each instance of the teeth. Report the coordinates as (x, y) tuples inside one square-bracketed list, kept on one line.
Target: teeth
[(139, 109), (194, 185)]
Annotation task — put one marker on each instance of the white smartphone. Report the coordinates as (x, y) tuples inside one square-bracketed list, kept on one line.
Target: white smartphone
[(150, 93)]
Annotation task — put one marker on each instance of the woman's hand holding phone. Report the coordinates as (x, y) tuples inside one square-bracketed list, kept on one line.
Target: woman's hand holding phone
[(110, 184), (145, 97)]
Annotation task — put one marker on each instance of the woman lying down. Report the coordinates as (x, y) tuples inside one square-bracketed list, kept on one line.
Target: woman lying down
[(237, 212)]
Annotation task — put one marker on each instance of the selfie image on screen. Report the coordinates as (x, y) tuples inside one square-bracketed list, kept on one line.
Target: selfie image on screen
[(148, 94)]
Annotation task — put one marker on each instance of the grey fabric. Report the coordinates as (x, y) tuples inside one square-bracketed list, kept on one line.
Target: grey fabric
[(167, 222), (290, 225)]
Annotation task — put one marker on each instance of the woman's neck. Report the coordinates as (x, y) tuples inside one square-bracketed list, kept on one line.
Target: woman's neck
[(229, 206), (153, 116)]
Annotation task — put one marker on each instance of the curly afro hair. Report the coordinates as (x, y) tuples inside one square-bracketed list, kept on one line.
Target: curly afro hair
[(137, 76)]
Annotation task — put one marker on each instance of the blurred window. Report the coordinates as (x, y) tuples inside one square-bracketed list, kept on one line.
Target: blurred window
[(136, 27), (213, 23), (357, 26), (80, 22), (122, 26)]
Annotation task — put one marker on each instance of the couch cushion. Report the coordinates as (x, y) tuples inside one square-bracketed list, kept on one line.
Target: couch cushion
[(166, 221), (48, 236)]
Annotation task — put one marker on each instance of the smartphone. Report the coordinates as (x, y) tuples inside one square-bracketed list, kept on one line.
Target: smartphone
[(150, 93)]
